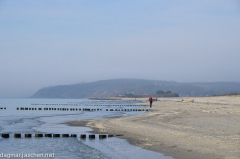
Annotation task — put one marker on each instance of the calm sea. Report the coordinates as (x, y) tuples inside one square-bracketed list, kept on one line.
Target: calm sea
[(13, 121)]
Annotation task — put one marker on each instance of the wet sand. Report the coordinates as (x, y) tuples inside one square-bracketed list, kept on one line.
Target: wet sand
[(208, 128)]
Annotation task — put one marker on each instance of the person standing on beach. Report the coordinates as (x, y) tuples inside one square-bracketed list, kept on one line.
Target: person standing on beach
[(150, 100)]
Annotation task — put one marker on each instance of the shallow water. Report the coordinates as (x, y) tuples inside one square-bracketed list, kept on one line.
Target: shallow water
[(49, 121)]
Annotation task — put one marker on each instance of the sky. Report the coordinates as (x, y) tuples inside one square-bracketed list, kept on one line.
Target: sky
[(59, 42)]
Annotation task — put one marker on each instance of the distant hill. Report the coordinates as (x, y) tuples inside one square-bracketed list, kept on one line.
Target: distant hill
[(116, 87)]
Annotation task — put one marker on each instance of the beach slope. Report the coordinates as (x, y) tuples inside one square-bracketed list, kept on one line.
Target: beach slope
[(208, 127)]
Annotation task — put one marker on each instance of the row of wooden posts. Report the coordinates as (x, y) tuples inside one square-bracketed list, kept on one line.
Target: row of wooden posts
[(104, 105), (82, 136), (79, 109)]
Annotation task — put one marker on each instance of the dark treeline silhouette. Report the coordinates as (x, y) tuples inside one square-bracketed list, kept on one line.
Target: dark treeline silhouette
[(116, 87), (166, 94)]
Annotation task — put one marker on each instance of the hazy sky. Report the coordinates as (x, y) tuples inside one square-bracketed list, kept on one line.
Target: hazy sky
[(57, 42)]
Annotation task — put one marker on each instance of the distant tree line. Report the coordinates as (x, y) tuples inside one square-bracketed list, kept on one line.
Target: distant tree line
[(166, 94), (230, 94), (116, 87)]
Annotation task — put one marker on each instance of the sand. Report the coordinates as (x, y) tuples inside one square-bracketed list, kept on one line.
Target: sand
[(207, 128)]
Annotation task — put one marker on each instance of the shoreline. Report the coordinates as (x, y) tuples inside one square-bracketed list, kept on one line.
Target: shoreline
[(206, 128)]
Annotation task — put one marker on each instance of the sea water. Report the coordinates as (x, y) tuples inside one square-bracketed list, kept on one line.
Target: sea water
[(13, 120)]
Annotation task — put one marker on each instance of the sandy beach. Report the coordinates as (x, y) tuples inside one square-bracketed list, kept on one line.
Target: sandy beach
[(208, 128)]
